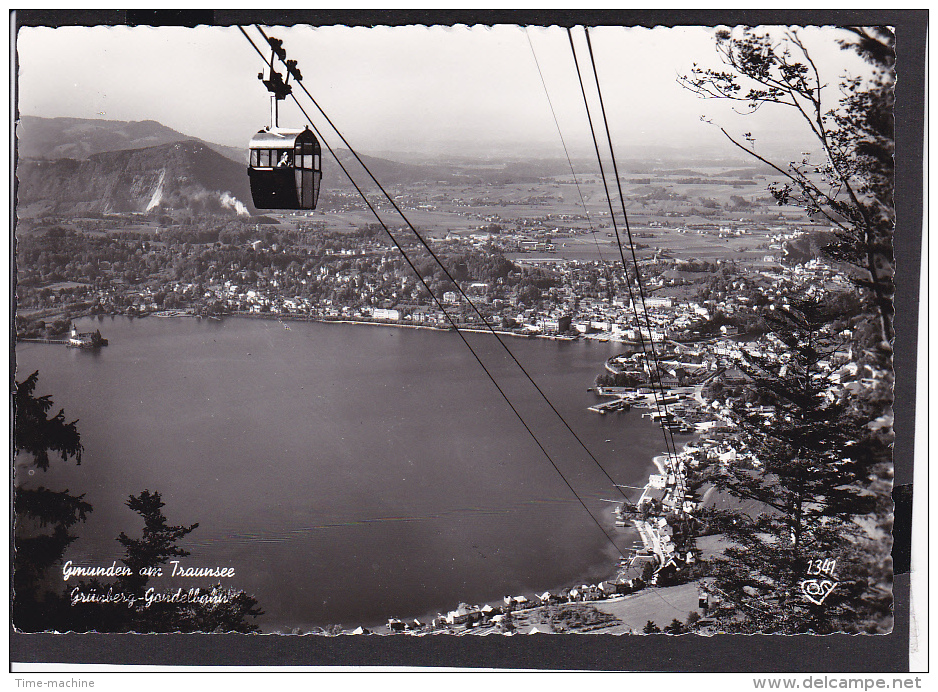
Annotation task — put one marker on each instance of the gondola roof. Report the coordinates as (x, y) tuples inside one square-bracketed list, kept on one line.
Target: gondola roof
[(278, 138)]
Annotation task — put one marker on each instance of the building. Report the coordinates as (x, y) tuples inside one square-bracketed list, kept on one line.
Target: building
[(85, 340), (387, 314)]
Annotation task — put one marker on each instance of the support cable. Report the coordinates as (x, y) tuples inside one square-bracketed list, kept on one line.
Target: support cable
[(576, 182), (451, 320), (638, 276), (667, 431), (449, 275), (628, 283)]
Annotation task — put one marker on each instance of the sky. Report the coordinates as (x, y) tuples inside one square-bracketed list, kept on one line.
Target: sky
[(454, 90)]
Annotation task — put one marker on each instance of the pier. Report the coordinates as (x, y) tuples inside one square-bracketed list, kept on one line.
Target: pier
[(40, 341), (615, 405)]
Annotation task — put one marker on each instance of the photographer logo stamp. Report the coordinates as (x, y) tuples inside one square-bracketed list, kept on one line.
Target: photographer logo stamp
[(822, 582)]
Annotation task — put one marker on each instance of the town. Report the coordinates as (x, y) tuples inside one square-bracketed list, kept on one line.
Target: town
[(687, 317), (214, 267)]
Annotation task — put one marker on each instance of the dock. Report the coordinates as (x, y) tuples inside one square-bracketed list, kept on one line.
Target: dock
[(39, 341), (615, 405)]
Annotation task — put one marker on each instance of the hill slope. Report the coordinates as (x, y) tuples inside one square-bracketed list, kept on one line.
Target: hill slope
[(172, 176), (79, 138)]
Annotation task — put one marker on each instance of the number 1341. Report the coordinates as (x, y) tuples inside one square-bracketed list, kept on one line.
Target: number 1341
[(822, 566)]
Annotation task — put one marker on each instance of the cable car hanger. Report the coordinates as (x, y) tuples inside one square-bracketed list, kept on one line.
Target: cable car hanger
[(279, 87), (285, 166)]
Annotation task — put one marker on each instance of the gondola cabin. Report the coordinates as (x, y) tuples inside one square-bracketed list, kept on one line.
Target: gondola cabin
[(285, 169)]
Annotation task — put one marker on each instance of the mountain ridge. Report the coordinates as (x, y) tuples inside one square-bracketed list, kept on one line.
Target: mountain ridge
[(175, 175), (79, 138)]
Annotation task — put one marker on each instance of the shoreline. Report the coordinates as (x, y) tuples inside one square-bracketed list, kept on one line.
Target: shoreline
[(399, 325), (594, 574), (607, 575), (346, 320)]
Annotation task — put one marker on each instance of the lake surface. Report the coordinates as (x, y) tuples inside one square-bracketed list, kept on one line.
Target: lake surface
[(347, 472)]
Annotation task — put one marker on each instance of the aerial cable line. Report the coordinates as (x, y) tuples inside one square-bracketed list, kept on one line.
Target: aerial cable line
[(625, 216), (439, 303), (602, 173), (442, 266), (667, 431), (668, 447), (550, 103)]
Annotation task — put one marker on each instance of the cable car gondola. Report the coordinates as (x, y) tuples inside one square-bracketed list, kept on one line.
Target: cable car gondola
[(285, 165), (285, 169)]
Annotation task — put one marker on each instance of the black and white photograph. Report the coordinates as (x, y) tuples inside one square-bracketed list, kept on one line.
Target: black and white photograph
[(454, 330)]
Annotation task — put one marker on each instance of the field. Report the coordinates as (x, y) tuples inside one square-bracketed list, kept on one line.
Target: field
[(704, 213), (683, 214)]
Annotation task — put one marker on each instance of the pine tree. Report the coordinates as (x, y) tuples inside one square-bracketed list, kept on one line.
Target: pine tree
[(157, 544), (42, 533), (813, 474), (826, 468), (44, 518), (235, 610)]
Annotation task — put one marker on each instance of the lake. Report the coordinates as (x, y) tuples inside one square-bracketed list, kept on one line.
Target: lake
[(348, 473)]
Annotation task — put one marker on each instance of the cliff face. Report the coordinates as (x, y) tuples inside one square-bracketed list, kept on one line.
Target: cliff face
[(181, 175)]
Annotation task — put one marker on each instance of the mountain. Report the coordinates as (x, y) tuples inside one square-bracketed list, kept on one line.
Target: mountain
[(173, 176), (79, 138), (80, 164)]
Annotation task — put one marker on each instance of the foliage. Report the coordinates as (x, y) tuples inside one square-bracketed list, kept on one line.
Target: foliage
[(43, 517), (158, 543), (567, 618), (821, 468), (38, 435), (651, 628), (230, 611), (618, 379), (676, 627), (818, 476), (42, 533), (853, 187), (130, 272)]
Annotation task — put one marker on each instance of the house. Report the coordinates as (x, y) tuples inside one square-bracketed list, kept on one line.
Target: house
[(548, 324), (463, 615), (512, 602), (655, 302), (627, 586), (488, 612)]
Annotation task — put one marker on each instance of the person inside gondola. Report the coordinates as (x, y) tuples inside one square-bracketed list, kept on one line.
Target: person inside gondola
[(284, 160)]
